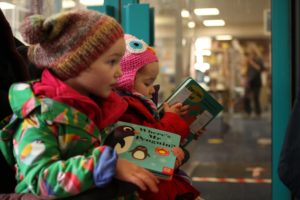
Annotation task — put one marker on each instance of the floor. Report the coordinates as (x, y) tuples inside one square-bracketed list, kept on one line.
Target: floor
[(232, 160)]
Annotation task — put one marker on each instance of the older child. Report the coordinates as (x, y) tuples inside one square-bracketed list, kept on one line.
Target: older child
[(55, 131), (140, 69)]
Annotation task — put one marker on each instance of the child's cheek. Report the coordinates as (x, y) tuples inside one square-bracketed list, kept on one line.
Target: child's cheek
[(105, 80)]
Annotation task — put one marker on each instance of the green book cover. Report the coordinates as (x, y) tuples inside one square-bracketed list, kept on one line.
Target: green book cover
[(203, 107), (147, 147)]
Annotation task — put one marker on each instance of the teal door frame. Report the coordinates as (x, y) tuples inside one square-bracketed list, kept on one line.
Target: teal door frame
[(281, 88)]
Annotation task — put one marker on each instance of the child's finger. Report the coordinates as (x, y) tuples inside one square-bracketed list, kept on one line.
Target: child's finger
[(177, 163), (199, 133), (177, 105), (178, 152), (166, 107), (147, 180), (185, 107), (184, 110), (182, 113)]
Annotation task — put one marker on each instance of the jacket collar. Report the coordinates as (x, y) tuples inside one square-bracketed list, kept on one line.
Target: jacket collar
[(24, 102)]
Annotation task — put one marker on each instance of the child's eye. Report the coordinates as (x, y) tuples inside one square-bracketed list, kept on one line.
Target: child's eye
[(112, 62), (148, 84)]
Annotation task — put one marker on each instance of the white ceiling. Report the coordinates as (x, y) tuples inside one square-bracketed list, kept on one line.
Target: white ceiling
[(243, 18)]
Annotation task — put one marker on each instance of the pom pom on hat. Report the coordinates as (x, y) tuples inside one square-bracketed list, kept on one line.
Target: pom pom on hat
[(70, 41), (32, 29), (137, 55)]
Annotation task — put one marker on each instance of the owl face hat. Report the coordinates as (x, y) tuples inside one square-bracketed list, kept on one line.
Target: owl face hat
[(137, 55)]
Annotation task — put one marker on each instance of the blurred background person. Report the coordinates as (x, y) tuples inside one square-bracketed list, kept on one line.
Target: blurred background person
[(255, 67)]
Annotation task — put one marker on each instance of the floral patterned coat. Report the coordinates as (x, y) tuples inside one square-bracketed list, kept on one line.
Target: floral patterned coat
[(53, 146)]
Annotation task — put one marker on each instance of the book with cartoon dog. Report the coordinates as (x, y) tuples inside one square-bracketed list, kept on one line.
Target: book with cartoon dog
[(203, 108), (147, 147)]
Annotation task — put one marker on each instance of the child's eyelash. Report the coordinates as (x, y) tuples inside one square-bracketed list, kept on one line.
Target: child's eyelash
[(112, 61)]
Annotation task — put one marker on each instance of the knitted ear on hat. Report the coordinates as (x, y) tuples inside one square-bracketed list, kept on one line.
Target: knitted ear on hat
[(137, 55), (71, 41)]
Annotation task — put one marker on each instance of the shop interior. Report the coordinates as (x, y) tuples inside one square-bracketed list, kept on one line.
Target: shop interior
[(208, 40)]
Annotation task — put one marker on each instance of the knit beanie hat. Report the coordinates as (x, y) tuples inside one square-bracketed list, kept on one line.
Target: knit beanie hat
[(137, 55), (70, 41)]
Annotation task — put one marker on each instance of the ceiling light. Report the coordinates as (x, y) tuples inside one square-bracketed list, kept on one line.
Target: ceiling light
[(206, 11), (191, 24), (68, 4), (203, 43), (224, 37), (203, 67), (185, 13), (92, 2), (215, 22), (183, 42), (6, 6), (206, 79), (205, 52)]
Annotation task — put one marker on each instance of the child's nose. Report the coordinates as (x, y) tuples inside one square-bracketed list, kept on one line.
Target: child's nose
[(119, 72), (152, 90)]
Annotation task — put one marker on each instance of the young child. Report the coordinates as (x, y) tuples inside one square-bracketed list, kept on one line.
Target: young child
[(140, 69), (54, 136)]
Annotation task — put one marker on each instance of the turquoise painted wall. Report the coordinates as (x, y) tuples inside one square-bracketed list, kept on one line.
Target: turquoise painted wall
[(136, 19), (281, 88)]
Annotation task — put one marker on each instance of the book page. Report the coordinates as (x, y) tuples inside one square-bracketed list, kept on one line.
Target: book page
[(201, 121), (181, 97)]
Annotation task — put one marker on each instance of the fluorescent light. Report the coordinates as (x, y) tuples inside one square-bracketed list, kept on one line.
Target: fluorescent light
[(183, 41), (203, 43), (206, 11), (206, 79), (202, 67), (214, 22), (205, 52), (191, 24), (6, 6), (223, 37), (68, 4), (92, 2), (185, 13)]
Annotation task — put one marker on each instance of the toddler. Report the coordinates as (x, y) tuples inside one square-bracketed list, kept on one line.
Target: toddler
[(140, 69), (54, 137)]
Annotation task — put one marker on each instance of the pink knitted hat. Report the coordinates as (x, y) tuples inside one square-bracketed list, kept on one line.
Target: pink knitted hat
[(137, 55)]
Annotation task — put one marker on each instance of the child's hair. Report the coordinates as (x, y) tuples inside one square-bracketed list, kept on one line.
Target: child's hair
[(70, 41), (137, 55)]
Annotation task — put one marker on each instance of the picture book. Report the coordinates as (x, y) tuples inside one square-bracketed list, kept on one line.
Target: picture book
[(202, 106), (147, 147)]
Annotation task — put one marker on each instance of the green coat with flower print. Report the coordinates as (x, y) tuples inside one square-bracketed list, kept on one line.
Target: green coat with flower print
[(54, 146)]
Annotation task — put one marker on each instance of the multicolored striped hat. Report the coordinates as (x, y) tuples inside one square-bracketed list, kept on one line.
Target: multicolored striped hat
[(69, 42), (137, 55)]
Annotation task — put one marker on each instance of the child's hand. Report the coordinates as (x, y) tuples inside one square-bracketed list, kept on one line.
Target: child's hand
[(199, 133), (177, 108), (127, 171), (179, 153)]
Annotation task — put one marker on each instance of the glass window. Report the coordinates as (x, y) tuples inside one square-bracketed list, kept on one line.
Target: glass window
[(226, 47)]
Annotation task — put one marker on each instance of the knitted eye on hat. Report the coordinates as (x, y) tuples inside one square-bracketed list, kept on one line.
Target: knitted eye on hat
[(137, 55), (69, 42)]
